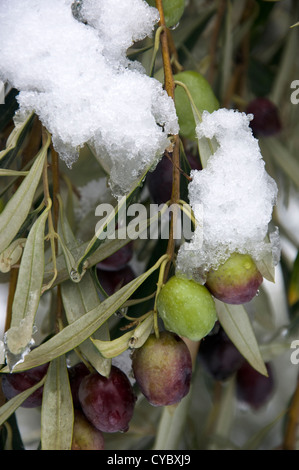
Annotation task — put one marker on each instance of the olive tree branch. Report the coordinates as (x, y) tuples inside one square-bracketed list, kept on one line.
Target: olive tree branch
[(170, 87)]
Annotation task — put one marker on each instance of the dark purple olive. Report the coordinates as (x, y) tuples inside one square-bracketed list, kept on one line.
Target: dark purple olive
[(15, 383), (266, 121), (76, 374), (117, 260), (111, 281), (107, 402), (253, 388), (219, 356)]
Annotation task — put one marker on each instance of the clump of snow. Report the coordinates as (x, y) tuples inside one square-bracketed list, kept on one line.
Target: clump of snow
[(75, 75), (235, 196)]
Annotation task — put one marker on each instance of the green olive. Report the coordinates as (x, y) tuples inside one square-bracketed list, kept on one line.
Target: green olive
[(187, 308), (202, 95)]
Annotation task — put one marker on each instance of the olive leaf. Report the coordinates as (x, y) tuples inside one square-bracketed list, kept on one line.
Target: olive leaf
[(5, 172), (15, 140), (57, 414), (266, 267), (79, 298), (11, 255), (28, 289), (115, 347), (14, 403), (282, 157), (224, 415), (234, 320), (69, 253), (206, 146), (17, 208), (132, 339), (78, 331)]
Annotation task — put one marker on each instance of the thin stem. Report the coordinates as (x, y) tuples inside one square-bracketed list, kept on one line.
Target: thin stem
[(170, 87), (51, 234), (56, 186), (168, 75), (188, 211), (156, 49), (160, 283)]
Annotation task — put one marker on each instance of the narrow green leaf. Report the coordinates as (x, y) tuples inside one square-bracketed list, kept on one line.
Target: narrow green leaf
[(234, 320), (28, 290), (4, 172), (132, 339), (206, 147), (11, 255), (17, 208), (15, 141), (63, 267), (79, 298), (266, 267), (73, 335), (115, 347), (57, 415), (13, 404), (224, 413), (282, 156)]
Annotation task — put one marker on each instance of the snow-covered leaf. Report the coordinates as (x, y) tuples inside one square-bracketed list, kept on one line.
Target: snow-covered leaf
[(28, 289)]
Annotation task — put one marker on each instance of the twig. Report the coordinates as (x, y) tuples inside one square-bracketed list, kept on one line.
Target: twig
[(170, 87)]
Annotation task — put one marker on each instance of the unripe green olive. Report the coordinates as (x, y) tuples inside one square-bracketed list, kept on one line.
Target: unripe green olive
[(186, 308), (202, 95), (173, 10)]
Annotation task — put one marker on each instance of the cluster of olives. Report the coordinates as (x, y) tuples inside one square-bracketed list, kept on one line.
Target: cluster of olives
[(186, 307), (222, 360), (101, 404), (162, 366)]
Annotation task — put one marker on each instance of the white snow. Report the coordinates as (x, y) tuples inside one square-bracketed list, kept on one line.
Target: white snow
[(236, 196), (75, 75)]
